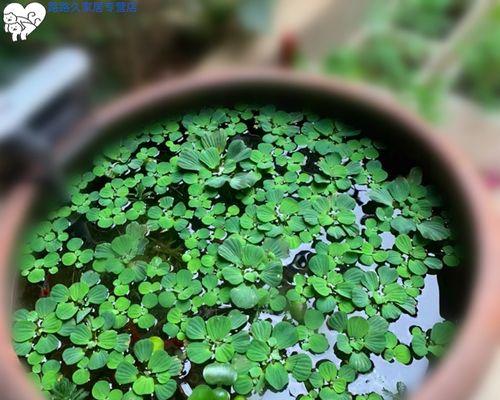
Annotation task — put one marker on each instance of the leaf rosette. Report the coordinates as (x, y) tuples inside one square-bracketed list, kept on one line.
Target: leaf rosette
[(329, 381), (251, 263), (359, 336), (219, 338), (269, 363), (151, 371), (214, 162)]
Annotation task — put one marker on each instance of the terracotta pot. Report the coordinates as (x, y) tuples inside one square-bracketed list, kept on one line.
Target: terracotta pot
[(457, 374)]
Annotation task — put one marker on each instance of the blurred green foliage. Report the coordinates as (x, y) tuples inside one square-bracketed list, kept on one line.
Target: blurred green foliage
[(399, 40), (385, 58), (480, 78), (433, 18), (164, 36)]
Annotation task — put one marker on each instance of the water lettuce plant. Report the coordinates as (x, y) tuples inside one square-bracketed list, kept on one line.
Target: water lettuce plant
[(233, 253)]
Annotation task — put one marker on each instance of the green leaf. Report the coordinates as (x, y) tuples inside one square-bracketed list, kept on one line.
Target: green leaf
[(300, 365), (59, 293), (198, 352), (434, 229), (210, 157), (23, 331), (359, 297), (381, 195), (261, 330), (360, 362), (195, 328), (66, 311), (107, 339), (285, 335), (126, 373), (45, 306), (403, 243), (442, 332), (98, 360), (417, 267), (320, 264), (37, 275), (258, 351), (72, 355), (68, 259), (81, 376), (276, 376), (402, 354), (166, 391), (202, 392), (233, 275), (387, 275), (243, 385), (399, 189), (240, 341), (252, 255), (419, 343), (244, 297), (224, 353), (217, 181), (100, 390), (244, 180), (218, 327), (237, 151), (47, 344), (272, 274), (375, 342), (318, 343), (266, 213), (289, 206), (357, 327), (22, 349), (324, 126), (403, 225), (277, 247), (143, 350), (313, 319), (338, 321), (51, 324), (97, 294), (219, 374), (377, 325), (189, 160), (320, 285), (237, 318), (231, 250), (215, 139), (433, 263), (160, 361), (144, 385), (81, 335)]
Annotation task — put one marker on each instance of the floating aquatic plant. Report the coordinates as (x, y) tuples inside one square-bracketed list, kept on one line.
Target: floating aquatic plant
[(228, 253)]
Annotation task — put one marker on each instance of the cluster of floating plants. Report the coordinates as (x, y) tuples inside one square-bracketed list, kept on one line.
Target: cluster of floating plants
[(231, 253)]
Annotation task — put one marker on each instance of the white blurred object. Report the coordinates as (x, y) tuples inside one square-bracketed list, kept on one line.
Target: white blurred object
[(34, 91)]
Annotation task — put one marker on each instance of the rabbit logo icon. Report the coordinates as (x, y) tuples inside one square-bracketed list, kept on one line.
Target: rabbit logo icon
[(22, 21)]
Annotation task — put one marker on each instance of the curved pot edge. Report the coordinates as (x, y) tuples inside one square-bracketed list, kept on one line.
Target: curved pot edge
[(457, 373)]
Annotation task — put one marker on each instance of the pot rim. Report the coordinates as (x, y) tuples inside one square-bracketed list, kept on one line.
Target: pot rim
[(456, 375)]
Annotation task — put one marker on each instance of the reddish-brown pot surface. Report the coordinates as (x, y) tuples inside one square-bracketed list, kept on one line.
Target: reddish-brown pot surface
[(456, 375)]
